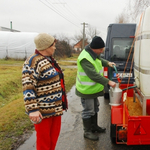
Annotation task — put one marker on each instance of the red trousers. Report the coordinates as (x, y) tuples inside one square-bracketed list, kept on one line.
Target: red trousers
[(47, 133)]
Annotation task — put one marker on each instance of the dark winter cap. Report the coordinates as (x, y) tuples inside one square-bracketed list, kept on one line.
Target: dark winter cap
[(97, 43)]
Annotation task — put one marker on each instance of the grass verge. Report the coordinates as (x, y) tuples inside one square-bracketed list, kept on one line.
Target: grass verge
[(15, 125)]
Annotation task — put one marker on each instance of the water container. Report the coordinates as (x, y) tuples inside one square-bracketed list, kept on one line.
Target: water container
[(115, 95), (136, 63), (142, 55)]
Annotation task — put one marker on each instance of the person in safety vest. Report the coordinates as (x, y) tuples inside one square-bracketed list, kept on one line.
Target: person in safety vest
[(90, 84)]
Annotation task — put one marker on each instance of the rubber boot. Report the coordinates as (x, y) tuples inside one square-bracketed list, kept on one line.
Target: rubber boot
[(95, 127), (87, 130)]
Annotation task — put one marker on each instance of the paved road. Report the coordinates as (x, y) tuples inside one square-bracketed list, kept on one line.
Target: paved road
[(71, 136)]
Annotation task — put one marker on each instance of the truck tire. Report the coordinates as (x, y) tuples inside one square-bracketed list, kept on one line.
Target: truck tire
[(113, 140), (113, 133)]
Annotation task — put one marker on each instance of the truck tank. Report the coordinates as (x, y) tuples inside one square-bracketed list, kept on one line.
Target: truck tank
[(142, 54)]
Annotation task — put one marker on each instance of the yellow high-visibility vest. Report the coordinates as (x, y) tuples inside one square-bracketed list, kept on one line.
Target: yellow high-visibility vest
[(83, 83)]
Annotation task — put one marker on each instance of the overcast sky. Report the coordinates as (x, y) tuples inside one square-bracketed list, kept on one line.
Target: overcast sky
[(60, 16)]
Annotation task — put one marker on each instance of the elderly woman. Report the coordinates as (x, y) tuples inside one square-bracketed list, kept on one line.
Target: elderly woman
[(44, 92)]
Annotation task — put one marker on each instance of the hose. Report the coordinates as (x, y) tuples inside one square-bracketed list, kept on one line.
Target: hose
[(115, 69), (117, 75), (131, 87)]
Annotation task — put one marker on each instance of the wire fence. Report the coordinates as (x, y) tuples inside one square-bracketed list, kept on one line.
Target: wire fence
[(16, 45), (24, 53)]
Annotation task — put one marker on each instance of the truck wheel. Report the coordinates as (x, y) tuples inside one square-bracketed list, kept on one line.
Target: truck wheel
[(106, 95), (113, 140)]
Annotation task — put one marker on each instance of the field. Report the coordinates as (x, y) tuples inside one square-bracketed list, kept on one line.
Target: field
[(15, 126)]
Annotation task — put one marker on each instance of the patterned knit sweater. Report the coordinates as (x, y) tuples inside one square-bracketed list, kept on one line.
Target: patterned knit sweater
[(43, 86)]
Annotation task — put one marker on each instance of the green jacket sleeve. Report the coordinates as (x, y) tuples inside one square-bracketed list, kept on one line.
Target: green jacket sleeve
[(91, 72), (104, 62)]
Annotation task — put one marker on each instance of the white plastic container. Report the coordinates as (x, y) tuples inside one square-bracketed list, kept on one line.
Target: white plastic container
[(142, 54)]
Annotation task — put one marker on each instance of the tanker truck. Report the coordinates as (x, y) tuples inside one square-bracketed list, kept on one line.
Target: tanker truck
[(130, 109)]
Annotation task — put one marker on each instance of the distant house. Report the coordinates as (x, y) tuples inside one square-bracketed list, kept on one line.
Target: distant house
[(78, 46), (8, 29)]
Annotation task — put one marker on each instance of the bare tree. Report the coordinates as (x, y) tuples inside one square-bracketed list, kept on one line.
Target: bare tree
[(122, 18), (91, 32), (139, 6), (77, 37), (135, 8), (132, 11), (62, 37), (63, 46)]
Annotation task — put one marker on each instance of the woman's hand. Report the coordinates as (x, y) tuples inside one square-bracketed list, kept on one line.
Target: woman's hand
[(35, 116)]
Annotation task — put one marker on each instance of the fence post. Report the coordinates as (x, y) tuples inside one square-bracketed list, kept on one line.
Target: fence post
[(6, 54), (25, 54)]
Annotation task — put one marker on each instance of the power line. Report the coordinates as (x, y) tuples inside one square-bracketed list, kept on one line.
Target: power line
[(71, 11), (53, 9), (62, 6), (61, 13)]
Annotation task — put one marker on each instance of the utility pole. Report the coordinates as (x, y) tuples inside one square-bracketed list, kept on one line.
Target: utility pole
[(83, 40)]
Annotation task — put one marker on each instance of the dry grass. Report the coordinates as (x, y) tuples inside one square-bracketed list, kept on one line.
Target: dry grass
[(10, 83), (14, 123)]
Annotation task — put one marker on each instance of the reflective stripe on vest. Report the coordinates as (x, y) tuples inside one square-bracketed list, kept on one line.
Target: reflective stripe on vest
[(84, 74), (86, 83)]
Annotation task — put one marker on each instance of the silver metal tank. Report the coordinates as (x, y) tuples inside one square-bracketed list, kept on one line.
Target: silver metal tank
[(115, 95)]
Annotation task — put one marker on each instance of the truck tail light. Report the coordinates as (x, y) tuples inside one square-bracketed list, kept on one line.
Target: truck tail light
[(132, 36), (148, 106)]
